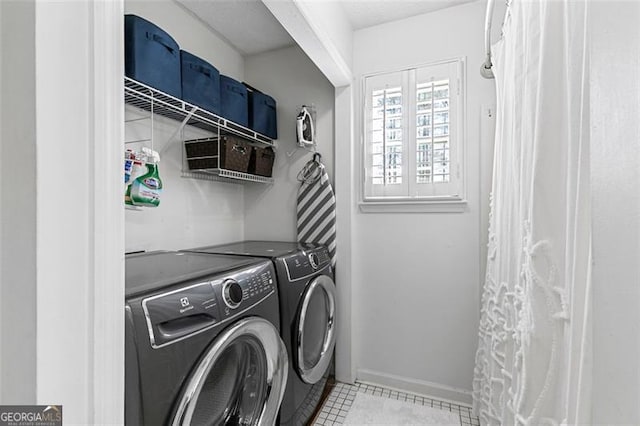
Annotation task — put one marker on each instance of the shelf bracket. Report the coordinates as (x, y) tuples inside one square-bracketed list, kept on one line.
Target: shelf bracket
[(137, 141), (178, 130)]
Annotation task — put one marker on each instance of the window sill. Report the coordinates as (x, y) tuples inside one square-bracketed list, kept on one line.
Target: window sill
[(407, 206)]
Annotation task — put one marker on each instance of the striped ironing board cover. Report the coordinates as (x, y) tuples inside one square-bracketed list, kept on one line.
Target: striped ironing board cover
[(317, 214)]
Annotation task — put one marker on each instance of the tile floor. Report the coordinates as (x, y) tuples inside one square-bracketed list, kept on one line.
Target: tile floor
[(335, 408)]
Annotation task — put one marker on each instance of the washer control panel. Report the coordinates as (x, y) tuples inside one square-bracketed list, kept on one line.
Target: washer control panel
[(306, 263), (246, 288), (193, 308), (259, 284)]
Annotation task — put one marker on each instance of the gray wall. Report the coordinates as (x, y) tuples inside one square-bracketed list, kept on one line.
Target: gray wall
[(18, 203)]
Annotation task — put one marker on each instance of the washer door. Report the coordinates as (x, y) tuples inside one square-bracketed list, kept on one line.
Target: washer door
[(240, 380), (315, 331)]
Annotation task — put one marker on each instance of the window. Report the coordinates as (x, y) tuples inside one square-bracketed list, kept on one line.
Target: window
[(413, 145)]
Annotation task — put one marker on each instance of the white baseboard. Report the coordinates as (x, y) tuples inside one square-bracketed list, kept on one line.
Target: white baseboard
[(421, 387)]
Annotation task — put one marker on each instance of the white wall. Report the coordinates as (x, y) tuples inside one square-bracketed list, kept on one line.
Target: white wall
[(192, 212), (18, 202), (345, 212), (293, 80), (417, 276), (64, 227), (615, 178)]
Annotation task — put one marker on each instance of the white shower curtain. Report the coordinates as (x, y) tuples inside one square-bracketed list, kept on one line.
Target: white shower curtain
[(532, 364)]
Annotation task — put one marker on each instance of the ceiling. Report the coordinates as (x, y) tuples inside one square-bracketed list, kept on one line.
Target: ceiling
[(367, 13), (246, 24), (251, 28)]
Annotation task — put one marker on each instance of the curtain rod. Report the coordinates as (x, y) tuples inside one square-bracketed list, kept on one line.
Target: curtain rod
[(485, 68)]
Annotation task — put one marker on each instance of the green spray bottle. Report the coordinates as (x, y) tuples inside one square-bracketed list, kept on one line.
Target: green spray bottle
[(146, 189)]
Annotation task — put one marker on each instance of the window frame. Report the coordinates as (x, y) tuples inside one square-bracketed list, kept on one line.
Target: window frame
[(403, 201)]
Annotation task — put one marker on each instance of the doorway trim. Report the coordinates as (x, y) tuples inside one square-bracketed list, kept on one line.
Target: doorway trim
[(108, 212)]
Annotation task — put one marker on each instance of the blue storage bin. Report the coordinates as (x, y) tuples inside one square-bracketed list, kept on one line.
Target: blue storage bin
[(151, 56), (200, 82), (233, 101), (262, 114)]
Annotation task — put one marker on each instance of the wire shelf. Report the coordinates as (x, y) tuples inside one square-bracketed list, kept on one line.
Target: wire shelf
[(155, 101), (225, 175), (148, 98), (212, 157)]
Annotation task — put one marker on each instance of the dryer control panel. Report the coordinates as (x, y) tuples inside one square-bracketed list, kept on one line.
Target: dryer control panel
[(307, 263), (192, 308)]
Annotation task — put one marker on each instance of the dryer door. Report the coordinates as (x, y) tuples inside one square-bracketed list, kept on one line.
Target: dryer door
[(315, 331), (240, 379)]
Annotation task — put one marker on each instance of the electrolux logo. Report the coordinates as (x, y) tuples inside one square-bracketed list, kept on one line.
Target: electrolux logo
[(30, 415), (184, 301)]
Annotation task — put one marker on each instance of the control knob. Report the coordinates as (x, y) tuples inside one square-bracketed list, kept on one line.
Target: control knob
[(313, 260), (231, 293)]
